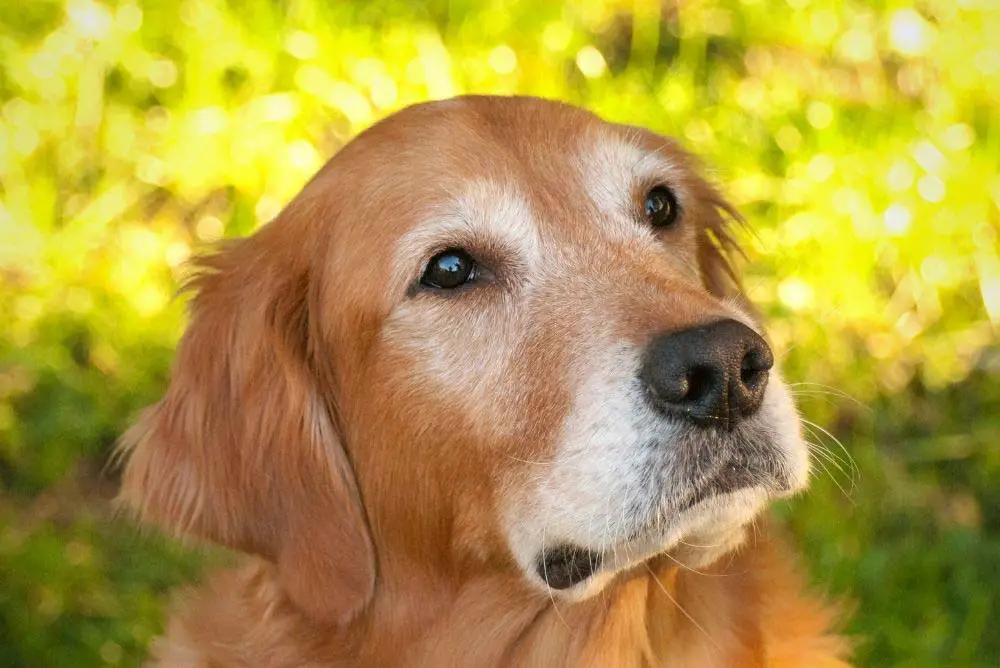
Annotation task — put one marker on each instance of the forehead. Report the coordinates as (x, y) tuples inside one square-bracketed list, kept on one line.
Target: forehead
[(527, 171), (429, 152), (560, 156)]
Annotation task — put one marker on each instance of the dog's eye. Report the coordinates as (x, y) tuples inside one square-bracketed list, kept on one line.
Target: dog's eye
[(661, 207), (449, 269)]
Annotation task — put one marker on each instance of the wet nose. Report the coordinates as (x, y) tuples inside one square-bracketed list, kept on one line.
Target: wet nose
[(709, 375)]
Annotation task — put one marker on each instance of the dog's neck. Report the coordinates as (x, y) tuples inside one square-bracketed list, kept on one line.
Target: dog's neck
[(649, 616), (658, 615)]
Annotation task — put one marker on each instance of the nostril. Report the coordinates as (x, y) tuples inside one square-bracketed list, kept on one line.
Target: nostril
[(697, 383), (713, 375), (753, 369)]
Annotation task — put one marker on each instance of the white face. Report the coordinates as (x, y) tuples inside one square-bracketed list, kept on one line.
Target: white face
[(585, 285), (621, 486)]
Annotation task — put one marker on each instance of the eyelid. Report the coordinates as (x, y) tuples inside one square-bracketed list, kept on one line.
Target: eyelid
[(450, 248), (481, 273), (494, 259)]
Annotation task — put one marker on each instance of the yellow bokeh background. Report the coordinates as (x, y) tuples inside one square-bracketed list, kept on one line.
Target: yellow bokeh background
[(860, 139)]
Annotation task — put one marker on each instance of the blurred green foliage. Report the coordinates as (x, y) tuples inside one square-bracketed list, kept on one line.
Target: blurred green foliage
[(861, 139)]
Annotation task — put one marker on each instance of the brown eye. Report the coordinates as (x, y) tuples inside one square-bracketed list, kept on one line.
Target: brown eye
[(661, 207), (449, 269)]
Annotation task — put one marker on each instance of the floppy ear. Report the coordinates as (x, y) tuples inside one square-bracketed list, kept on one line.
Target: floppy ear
[(242, 449), (717, 249)]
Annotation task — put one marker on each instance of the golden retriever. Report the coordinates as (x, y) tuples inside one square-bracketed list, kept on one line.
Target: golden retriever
[(485, 393)]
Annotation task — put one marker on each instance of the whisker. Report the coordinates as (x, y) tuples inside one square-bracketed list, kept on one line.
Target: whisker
[(529, 461), (835, 481), (609, 536), (699, 546), (621, 527), (545, 572), (605, 543), (834, 391), (563, 458), (680, 607), (836, 440), (824, 452), (825, 397), (693, 570)]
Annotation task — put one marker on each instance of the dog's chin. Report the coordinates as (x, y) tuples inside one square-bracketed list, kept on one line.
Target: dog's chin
[(695, 538)]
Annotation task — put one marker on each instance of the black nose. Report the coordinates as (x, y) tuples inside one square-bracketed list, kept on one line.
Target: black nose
[(712, 375)]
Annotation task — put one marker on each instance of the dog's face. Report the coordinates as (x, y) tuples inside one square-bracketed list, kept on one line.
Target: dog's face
[(507, 328)]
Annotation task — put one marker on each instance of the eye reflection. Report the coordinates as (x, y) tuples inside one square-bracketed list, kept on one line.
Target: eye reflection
[(449, 269), (661, 207)]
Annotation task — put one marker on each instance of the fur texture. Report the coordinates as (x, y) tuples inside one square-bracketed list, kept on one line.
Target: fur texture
[(397, 459)]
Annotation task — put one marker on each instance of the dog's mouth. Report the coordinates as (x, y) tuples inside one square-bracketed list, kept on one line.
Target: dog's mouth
[(566, 565), (732, 477)]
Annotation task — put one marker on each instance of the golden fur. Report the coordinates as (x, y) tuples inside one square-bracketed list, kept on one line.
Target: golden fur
[(363, 441)]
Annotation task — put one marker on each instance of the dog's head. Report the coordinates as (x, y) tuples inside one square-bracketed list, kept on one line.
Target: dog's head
[(491, 334)]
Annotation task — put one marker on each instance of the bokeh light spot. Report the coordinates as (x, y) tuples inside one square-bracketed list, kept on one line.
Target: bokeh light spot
[(934, 269), (788, 138), (819, 114), (795, 293), (90, 19), (176, 253), (111, 653), (931, 188), (209, 228), (267, 208), (909, 33), (857, 45), (303, 155), (897, 219), (900, 176), (302, 45), (821, 168), (824, 25), (958, 137), (162, 73), (556, 36), (503, 60), (591, 62), (929, 156)]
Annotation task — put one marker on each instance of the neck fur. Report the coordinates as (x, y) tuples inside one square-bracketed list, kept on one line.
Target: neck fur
[(746, 608)]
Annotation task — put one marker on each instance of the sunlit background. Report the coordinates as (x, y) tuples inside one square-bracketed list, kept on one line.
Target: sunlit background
[(861, 139)]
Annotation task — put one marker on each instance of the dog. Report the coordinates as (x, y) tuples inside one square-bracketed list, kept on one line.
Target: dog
[(485, 393)]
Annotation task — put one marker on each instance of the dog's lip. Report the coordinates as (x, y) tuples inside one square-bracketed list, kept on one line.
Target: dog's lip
[(566, 565), (731, 477)]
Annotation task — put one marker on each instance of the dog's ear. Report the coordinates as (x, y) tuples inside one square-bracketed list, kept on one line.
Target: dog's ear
[(243, 449), (717, 248)]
